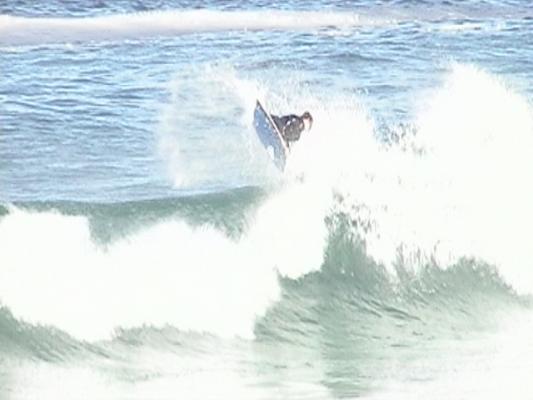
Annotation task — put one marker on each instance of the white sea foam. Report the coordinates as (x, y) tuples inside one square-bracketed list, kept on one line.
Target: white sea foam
[(167, 274), (192, 278), (458, 187)]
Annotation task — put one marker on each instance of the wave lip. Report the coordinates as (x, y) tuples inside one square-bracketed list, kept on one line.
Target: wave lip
[(23, 30)]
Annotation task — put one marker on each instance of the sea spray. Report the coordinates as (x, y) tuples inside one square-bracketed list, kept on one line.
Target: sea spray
[(457, 184), (198, 97)]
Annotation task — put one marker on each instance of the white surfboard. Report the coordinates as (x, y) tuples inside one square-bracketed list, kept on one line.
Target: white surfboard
[(270, 136)]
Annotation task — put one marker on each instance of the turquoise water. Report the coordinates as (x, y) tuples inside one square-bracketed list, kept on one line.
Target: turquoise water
[(150, 249)]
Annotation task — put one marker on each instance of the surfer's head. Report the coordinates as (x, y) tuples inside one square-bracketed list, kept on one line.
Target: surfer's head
[(307, 119)]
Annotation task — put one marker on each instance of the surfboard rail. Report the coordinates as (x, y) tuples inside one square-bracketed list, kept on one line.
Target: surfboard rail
[(270, 136)]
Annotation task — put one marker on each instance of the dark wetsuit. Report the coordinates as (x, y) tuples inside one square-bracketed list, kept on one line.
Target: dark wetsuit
[(290, 126)]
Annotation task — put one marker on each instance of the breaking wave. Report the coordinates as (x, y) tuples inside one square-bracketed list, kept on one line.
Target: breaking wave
[(377, 231)]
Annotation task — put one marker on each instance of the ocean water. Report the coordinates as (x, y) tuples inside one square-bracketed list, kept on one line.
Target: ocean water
[(149, 249)]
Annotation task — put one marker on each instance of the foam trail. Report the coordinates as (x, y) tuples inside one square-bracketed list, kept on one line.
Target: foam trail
[(22, 30)]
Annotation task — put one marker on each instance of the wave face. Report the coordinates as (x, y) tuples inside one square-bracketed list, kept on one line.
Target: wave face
[(150, 249), (152, 284)]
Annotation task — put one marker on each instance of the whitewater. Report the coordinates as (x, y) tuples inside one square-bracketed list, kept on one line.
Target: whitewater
[(149, 248)]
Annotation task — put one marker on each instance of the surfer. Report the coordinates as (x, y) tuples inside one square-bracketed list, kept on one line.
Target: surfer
[(291, 126)]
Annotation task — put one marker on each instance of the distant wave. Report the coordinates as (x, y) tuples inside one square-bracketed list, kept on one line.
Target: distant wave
[(16, 30), (23, 30)]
